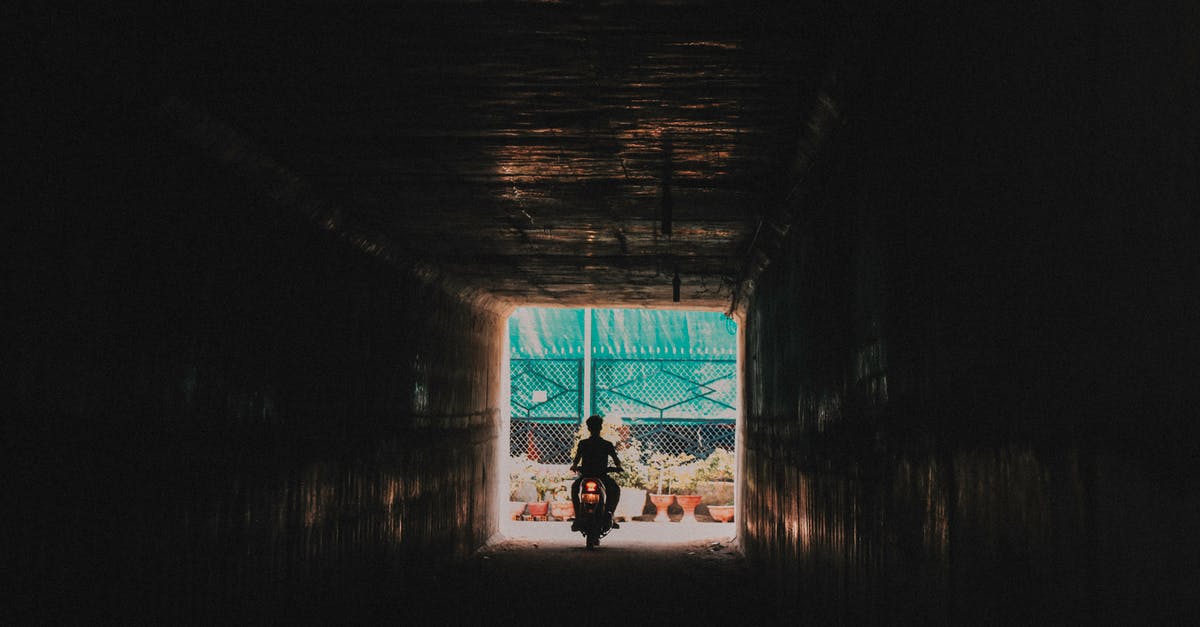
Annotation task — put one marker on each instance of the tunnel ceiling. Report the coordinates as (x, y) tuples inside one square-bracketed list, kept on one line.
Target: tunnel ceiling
[(521, 149)]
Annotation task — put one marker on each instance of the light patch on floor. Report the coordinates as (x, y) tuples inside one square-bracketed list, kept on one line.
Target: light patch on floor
[(630, 533)]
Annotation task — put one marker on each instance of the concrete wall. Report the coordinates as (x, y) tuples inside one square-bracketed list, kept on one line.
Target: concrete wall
[(221, 410), (967, 371)]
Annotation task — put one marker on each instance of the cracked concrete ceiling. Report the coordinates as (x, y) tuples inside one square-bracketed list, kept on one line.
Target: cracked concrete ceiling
[(517, 150)]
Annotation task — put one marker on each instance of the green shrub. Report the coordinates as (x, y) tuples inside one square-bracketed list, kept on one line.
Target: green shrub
[(717, 467)]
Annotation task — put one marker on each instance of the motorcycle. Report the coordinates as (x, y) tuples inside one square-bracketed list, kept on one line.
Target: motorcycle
[(593, 518)]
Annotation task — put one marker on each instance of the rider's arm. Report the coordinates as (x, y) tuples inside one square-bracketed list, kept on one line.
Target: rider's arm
[(578, 458), (612, 450)]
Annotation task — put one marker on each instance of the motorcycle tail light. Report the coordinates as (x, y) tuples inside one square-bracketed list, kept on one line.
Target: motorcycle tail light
[(591, 486), (590, 498)]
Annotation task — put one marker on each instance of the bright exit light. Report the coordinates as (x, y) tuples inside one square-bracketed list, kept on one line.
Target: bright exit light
[(665, 383)]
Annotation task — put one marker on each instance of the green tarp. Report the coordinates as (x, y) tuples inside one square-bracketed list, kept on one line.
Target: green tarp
[(543, 333)]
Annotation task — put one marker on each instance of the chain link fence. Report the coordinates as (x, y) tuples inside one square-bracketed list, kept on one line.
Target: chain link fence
[(546, 389), (667, 390), (666, 385), (540, 441), (669, 406), (696, 439), (554, 442)]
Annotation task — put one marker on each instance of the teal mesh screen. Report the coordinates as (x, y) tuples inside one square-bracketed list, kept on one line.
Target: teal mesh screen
[(557, 380), (542, 333), (664, 389), (652, 334), (669, 375), (536, 333)]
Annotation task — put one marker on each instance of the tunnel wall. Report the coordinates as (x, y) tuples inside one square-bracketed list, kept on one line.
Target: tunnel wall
[(220, 411), (966, 372)]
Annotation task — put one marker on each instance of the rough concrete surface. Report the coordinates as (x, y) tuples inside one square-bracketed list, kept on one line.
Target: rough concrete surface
[(554, 578)]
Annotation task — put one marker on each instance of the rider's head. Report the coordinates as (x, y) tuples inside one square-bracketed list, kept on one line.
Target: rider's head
[(594, 423)]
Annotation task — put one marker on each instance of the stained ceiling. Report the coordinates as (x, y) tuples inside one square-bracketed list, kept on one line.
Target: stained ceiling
[(518, 151)]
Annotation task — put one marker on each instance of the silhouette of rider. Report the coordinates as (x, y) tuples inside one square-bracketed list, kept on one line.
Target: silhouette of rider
[(591, 457)]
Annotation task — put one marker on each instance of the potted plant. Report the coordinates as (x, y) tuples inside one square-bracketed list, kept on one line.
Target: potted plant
[(722, 512), (521, 489), (716, 467), (661, 503), (538, 509), (561, 507), (632, 480), (684, 478), (547, 481), (661, 474), (714, 482)]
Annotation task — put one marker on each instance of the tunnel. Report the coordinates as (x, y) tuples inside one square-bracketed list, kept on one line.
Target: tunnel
[(261, 264)]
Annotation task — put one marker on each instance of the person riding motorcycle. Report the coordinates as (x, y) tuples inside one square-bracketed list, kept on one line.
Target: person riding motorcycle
[(591, 457)]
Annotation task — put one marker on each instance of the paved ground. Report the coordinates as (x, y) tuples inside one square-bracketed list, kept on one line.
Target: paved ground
[(630, 533), (649, 573)]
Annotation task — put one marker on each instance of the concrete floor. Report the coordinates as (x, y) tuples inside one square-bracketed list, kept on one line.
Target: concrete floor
[(645, 573), (649, 573), (631, 533)]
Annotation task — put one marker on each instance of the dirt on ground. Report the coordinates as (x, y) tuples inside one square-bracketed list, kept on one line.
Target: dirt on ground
[(640, 579)]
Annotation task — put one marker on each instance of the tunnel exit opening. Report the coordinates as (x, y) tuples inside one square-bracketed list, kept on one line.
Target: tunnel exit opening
[(665, 383)]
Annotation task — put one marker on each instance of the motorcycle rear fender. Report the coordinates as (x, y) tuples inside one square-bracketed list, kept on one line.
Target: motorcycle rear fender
[(599, 490)]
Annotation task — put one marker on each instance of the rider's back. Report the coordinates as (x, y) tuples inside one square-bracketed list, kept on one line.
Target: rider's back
[(594, 453)]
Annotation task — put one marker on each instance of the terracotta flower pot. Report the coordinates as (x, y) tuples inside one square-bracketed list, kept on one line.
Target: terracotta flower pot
[(688, 503), (661, 503), (562, 510), (721, 513), (537, 509)]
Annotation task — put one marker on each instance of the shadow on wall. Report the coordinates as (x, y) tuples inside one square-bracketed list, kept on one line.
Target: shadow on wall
[(229, 414), (275, 537), (991, 537), (996, 536), (965, 389)]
